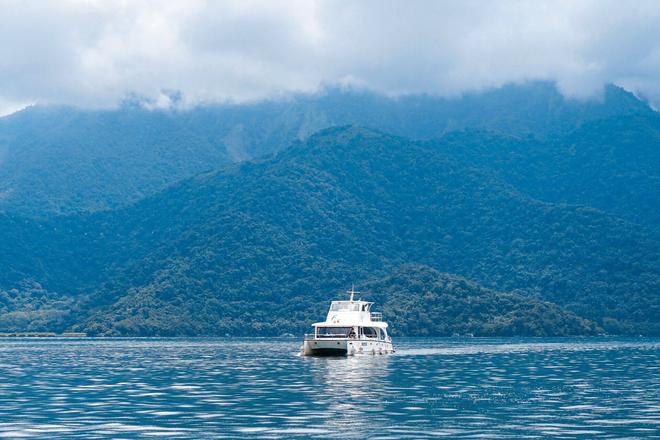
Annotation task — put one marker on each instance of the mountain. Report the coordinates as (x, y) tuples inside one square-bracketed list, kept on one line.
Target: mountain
[(56, 160), (611, 164), (532, 213), (260, 247)]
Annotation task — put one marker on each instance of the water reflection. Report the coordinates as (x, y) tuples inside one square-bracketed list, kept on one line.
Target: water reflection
[(359, 374), (352, 390)]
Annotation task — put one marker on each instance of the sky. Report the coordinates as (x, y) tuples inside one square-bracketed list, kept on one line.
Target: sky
[(97, 54)]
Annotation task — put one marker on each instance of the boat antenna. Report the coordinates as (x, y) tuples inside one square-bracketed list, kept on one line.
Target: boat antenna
[(352, 291)]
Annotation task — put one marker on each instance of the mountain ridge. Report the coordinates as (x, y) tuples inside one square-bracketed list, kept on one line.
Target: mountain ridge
[(65, 160)]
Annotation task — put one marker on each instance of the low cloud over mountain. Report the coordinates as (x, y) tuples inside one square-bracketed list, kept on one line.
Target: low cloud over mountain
[(96, 54)]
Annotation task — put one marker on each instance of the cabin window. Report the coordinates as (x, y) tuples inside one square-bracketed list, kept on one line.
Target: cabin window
[(339, 306), (370, 332), (333, 332), (342, 306)]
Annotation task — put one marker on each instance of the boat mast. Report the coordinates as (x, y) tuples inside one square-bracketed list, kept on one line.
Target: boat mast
[(352, 291)]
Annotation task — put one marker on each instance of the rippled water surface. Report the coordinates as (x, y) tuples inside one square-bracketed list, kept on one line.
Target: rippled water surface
[(452, 388)]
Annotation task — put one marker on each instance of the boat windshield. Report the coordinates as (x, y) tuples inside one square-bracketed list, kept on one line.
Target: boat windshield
[(333, 332), (339, 306)]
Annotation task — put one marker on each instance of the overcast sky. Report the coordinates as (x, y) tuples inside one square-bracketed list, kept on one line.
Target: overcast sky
[(96, 53)]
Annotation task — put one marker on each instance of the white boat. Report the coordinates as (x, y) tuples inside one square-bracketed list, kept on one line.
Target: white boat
[(350, 328)]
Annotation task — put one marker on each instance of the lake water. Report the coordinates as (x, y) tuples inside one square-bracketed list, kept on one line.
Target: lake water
[(431, 388)]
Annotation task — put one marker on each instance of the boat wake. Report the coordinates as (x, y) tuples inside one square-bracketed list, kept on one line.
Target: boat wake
[(521, 348)]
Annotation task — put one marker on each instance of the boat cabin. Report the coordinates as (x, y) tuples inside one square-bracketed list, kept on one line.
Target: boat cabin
[(352, 319)]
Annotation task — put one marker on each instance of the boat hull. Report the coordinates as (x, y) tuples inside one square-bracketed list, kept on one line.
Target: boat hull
[(345, 347)]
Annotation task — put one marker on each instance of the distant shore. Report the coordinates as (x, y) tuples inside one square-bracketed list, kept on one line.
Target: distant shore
[(43, 335)]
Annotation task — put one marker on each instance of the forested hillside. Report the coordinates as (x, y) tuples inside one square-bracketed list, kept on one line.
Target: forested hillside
[(612, 164), (420, 300), (352, 202), (259, 247)]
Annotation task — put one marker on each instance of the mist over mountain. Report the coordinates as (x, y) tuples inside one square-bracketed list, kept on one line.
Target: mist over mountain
[(95, 54), (60, 160)]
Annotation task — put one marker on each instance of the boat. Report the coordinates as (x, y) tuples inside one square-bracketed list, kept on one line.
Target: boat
[(350, 328)]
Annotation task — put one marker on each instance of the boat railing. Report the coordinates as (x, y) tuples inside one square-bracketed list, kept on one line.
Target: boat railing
[(376, 316), (309, 336)]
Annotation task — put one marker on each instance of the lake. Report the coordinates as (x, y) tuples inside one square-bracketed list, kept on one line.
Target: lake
[(233, 387)]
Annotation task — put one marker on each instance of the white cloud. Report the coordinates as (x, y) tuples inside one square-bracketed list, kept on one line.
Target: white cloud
[(95, 53)]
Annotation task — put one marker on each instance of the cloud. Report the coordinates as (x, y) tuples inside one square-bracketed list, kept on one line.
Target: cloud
[(96, 53)]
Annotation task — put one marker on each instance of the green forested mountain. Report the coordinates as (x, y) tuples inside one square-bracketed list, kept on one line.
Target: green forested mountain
[(421, 300), (258, 247), (612, 164), (62, 160)]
